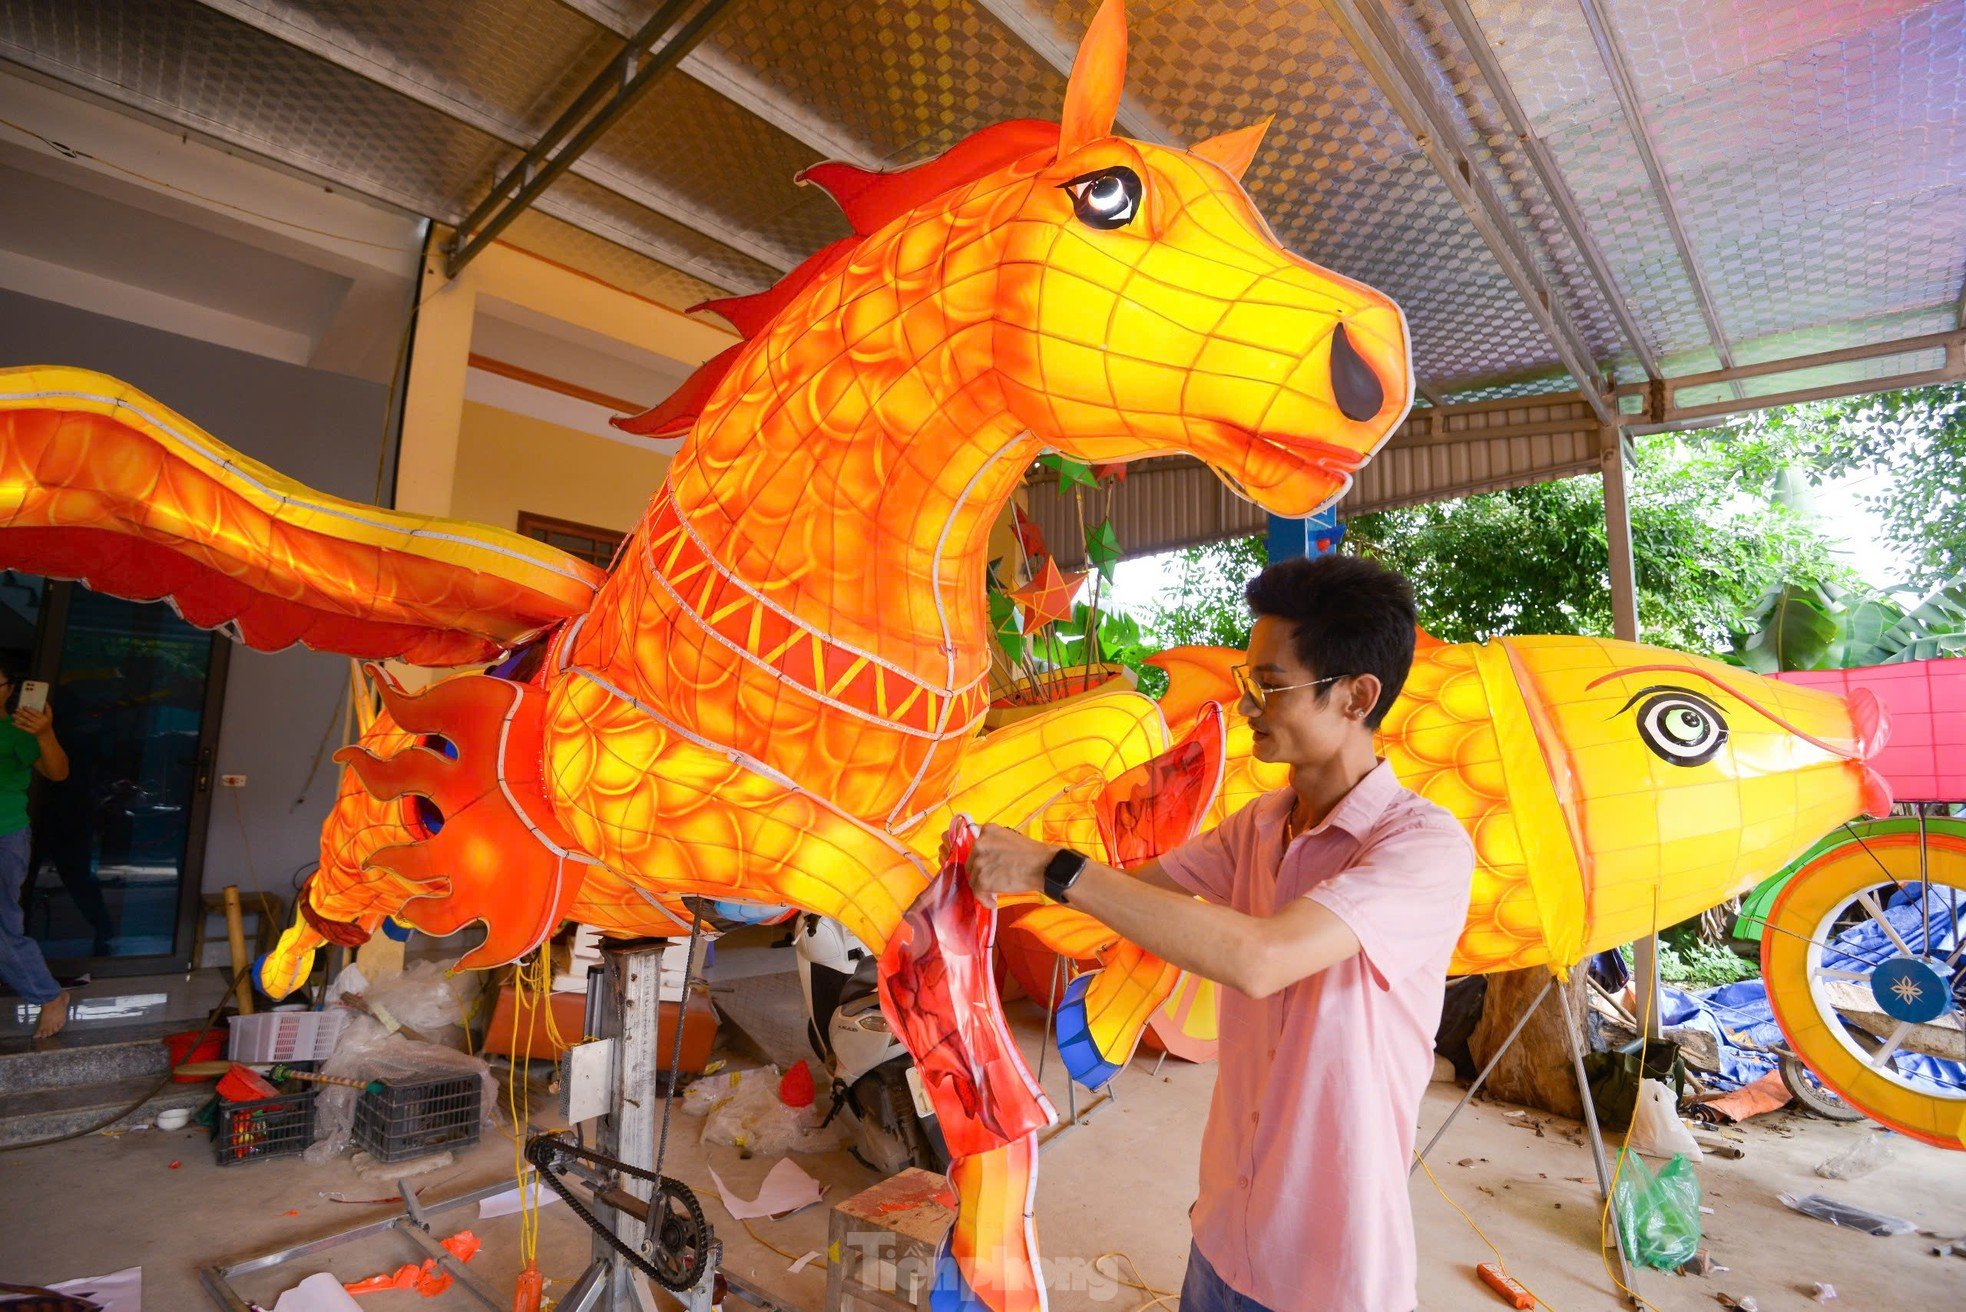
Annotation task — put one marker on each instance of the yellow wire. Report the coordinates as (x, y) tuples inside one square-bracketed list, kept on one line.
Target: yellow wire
[(1502, 1263), (1624, 1147), (1161, 1297)]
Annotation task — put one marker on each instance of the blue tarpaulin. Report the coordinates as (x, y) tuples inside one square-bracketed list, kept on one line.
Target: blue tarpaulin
[(1742, 1023)]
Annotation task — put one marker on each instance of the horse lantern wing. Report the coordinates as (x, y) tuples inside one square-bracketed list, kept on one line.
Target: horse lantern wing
[(100, 483)]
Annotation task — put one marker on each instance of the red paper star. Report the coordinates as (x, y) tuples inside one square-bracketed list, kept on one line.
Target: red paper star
[(1047, 597)]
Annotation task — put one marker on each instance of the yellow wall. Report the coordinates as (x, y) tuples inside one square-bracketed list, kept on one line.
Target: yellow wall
[(507, 463)]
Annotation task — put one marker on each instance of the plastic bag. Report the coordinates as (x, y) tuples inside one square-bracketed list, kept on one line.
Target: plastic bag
[(755, 1120), (1843, 1214), (367, 1051), (1860, 1158), (1657, 1130), (706, 1093), (425, 998), (1658, 1215)]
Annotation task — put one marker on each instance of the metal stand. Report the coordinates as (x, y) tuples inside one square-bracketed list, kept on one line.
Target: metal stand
[(1074, 1118), (413, 1225), (1596, 1140)]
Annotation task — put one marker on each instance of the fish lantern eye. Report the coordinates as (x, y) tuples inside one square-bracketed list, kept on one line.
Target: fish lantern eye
[(1107, 199), (1682, 728)]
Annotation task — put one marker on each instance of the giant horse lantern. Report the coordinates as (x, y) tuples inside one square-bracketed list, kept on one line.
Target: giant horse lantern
[(774, 695)]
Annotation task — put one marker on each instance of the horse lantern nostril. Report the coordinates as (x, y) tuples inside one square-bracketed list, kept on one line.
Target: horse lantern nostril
[(1356, 388)]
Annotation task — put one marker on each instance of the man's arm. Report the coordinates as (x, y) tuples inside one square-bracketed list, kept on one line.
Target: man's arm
[(1256, 955)]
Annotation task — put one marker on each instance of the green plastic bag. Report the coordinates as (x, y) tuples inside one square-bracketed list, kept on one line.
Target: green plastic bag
[(1658, 1215)]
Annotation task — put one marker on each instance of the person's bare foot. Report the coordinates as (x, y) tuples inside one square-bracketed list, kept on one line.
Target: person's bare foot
[(54, 1015)]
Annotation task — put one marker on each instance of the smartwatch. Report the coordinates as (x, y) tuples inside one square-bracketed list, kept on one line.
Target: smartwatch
[(1063, 871)]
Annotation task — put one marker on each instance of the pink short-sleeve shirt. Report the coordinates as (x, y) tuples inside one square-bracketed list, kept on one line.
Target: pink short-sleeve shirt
[(1303, 1202)]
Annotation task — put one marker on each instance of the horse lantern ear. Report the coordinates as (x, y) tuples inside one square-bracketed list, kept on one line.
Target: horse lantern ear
[(1233, 150), (1092, 96)]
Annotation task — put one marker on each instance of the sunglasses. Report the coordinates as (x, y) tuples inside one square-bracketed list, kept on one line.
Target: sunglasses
[(1259, 696)]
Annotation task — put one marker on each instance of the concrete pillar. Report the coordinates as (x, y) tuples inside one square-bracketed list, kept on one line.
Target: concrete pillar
[(433, 398)]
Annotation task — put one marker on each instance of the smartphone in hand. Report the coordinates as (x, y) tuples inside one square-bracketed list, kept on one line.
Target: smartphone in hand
[(34, 695)]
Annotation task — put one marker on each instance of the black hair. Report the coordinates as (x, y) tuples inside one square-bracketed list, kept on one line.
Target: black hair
[(13, 665), (1348, 615)]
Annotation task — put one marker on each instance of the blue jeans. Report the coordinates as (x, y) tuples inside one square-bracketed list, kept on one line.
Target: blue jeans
[(1204, 1291), (22, 967)]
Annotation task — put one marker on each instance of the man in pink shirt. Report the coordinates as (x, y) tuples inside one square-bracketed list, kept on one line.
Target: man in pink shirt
[(1329, 911)]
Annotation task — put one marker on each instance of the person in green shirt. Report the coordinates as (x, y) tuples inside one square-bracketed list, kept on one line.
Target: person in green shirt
[(27, 747)]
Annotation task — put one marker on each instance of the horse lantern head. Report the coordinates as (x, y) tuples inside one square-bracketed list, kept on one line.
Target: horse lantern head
[(1146, 308)]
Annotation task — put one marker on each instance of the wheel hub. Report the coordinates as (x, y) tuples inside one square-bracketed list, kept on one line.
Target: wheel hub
[(1908, 989)]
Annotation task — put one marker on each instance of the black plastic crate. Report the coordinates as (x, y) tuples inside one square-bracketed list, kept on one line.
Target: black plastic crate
[(280, 1126), (410, 1118)]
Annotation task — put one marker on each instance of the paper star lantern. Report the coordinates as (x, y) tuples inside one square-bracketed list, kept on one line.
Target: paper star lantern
[(1071, 473), (1029, 535), (1009, 630), (1102, 548), (1048, 597)]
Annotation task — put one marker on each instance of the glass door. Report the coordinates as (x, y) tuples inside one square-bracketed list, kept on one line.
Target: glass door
[(114, 884)]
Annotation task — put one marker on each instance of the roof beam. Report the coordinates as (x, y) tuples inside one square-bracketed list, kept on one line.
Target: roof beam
[(282, 21), (743, 88), (1395, 68), (1671, 415), (646, 56), (1551, 176), (1612, 51), (1042, 38)]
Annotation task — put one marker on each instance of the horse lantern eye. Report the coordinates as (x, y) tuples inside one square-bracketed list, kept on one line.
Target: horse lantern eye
[(1107, 199)]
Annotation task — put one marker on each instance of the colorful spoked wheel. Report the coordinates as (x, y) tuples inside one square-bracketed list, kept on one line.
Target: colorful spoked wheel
[(1865, 960)]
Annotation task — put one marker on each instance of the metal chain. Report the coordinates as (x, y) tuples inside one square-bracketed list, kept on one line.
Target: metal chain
[(676, 1048), (541, 1151)]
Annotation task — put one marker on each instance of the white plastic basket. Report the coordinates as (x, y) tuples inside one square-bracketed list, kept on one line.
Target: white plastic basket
[(286, 1036)]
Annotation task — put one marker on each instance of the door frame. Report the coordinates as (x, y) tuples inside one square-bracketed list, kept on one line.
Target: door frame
[(191, 865)]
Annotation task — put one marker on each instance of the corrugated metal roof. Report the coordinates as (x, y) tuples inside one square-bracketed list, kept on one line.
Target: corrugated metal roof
[(1174, 502), (1611, 182)]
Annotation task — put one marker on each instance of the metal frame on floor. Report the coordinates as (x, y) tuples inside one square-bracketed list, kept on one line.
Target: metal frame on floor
[(413, 1225), (1572, 1033)]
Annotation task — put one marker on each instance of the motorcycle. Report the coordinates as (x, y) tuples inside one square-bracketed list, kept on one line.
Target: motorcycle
[(872, 1073)]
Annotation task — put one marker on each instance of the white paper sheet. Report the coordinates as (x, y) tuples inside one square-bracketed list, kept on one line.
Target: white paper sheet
[(320, 1292), (786, 1189), (121, 1292), (513, 1200), (811, 1256)]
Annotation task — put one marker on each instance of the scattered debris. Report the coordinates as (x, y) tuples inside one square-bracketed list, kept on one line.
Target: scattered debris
[(1824, 1293), (1701, 1263), (429, 1279), (1745, 1303), (1718, 1146), (1860, 1158), (1763, 1095), (1845, 1215), (175, 1164), (1465, 1161)]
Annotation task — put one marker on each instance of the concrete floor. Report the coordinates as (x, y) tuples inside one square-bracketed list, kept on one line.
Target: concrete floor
[(1121, 1182)]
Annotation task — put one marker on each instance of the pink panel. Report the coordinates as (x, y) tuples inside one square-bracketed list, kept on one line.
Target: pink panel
[(1925, 756)]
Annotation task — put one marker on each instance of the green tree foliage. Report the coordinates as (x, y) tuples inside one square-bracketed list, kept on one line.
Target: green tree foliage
[(1802, 624), (1717, 521), (1205, 606), (1918, 437)]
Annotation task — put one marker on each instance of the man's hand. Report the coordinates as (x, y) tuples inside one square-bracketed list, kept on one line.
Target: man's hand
[(1005, 861), (33, 722)]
